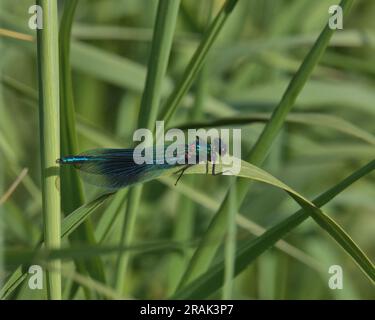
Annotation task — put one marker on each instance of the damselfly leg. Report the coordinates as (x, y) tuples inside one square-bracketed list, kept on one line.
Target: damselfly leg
[(182, 171)]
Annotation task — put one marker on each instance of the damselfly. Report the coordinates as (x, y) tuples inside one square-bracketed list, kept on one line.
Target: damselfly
[(117, 168)]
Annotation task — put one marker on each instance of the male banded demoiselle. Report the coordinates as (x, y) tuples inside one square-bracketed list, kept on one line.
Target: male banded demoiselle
[(117, 168)]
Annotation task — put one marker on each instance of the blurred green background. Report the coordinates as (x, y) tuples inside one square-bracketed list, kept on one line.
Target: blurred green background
[(248, 69)]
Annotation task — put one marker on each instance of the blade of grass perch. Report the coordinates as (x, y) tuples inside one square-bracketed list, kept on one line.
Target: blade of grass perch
[(204, 254), (48, 73), (212, 280), (71, 187), (197, 60), (164, 28)]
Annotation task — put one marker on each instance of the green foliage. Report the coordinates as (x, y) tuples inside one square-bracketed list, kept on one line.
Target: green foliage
[(301, 93)]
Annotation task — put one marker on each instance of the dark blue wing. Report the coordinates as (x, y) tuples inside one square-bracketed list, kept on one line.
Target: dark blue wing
[(113, 168)]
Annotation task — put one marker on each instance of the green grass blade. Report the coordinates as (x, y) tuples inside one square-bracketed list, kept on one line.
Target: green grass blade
[(157, 65), (109, 216), (230, 245), (263, 144), (71, 186), (72, 221), (197, 60), (109, 67), (48, 65), (338, 95), (342, 238)]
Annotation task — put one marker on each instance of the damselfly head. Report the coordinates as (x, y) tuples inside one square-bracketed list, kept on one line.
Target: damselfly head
[(220, 147)]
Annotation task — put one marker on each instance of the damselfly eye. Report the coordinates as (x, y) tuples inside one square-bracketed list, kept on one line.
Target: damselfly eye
[(220, 147)]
